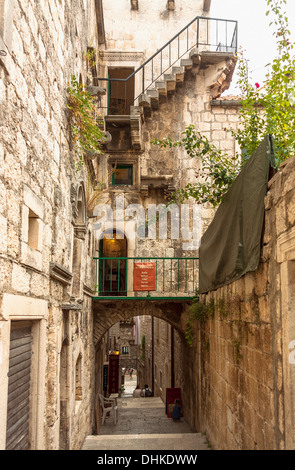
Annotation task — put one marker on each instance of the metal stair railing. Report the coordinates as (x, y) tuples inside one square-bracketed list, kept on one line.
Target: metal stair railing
[(213, 34)]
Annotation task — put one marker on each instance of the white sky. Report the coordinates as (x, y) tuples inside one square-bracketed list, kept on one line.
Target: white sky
[(255, 35)]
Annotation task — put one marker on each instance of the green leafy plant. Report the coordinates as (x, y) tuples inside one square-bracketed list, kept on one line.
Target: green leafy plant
[(269, 110), (200, 312), (85, 122), (143, 348), (263, 111), (218, 170)]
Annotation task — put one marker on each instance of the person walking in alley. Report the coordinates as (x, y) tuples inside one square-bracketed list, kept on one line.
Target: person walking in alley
[(176, 413)]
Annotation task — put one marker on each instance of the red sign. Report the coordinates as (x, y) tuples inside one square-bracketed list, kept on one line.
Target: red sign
[(144, 276), (171, 395), (113, 374)]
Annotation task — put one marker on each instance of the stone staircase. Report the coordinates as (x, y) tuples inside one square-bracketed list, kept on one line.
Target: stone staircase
[(168, 83), (224, 65), (137, 442), (144, 425)]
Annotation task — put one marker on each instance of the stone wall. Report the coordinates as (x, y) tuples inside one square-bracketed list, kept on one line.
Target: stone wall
[(244, 381), (147, 28), (45, 248)]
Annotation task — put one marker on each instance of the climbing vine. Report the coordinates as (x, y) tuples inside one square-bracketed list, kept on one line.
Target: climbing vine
[(218, 169), (143, 348), (87, 136), (230, 311)]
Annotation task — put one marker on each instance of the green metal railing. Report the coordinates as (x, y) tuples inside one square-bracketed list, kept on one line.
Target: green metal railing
[(214, 34), (145, 277)]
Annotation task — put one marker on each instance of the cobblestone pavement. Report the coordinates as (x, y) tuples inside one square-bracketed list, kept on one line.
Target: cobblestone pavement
[(143, 425)]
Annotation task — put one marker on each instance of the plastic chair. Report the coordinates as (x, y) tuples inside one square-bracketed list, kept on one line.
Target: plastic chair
[(108, 405)]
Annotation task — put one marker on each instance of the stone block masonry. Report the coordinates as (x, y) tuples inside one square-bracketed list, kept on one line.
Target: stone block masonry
[(38, 215), (244, 380)]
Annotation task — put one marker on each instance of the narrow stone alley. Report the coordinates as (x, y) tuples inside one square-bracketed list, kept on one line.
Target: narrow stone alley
[(143, 425)]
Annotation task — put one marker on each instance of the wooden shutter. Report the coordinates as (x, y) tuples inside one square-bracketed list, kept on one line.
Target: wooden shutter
[(18, 408)]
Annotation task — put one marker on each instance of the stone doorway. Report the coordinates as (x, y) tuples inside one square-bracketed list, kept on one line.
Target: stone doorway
[(120, 92), (113, 272)]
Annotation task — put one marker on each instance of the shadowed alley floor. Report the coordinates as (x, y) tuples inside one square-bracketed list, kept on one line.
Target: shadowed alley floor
[(143, 425)]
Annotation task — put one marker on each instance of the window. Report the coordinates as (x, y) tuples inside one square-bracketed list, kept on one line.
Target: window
[(78, 379), (170, 5), (120, 90), (125, 350), (33, 230), (123, 174)]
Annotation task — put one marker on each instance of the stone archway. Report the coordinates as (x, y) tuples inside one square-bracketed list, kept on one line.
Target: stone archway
[(175, 314), (108, 313)]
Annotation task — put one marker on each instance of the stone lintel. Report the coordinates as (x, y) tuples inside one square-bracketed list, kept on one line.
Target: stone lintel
[(226, 102), (156, 181), (23, 307), (60, 273)]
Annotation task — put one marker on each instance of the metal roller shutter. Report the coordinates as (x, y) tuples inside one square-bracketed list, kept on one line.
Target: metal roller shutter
[(18, 408)]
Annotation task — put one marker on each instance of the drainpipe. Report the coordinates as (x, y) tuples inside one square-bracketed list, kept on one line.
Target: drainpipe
[(172, 358), (153, 375)]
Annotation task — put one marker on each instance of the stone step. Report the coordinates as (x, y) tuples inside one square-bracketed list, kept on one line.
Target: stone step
[(154, 96), (144, 100), (186, 63), (187, 441), (161, 86), (171, 82), (179, 73)]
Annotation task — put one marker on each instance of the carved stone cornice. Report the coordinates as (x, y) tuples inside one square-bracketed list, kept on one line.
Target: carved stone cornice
[(80, 231), (88, 291), (60, 273), (118, 56)]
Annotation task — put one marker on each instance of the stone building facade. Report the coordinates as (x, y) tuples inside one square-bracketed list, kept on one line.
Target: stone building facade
[(191, 96), (52, 317), (122, 339), (47, 245)]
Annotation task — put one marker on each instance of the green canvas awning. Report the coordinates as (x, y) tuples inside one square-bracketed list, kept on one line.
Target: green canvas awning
[(231, 245)]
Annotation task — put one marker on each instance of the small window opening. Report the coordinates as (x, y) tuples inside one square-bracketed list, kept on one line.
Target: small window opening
[(33, 230), (78, 381), (170, 5), (125, 350), (122, 174), (134, 4)]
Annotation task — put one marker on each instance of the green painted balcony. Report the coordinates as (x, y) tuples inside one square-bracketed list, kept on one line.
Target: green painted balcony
[(142, 278)]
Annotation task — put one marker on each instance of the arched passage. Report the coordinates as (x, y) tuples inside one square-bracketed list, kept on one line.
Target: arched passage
[(107, 313), (170, 367)]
